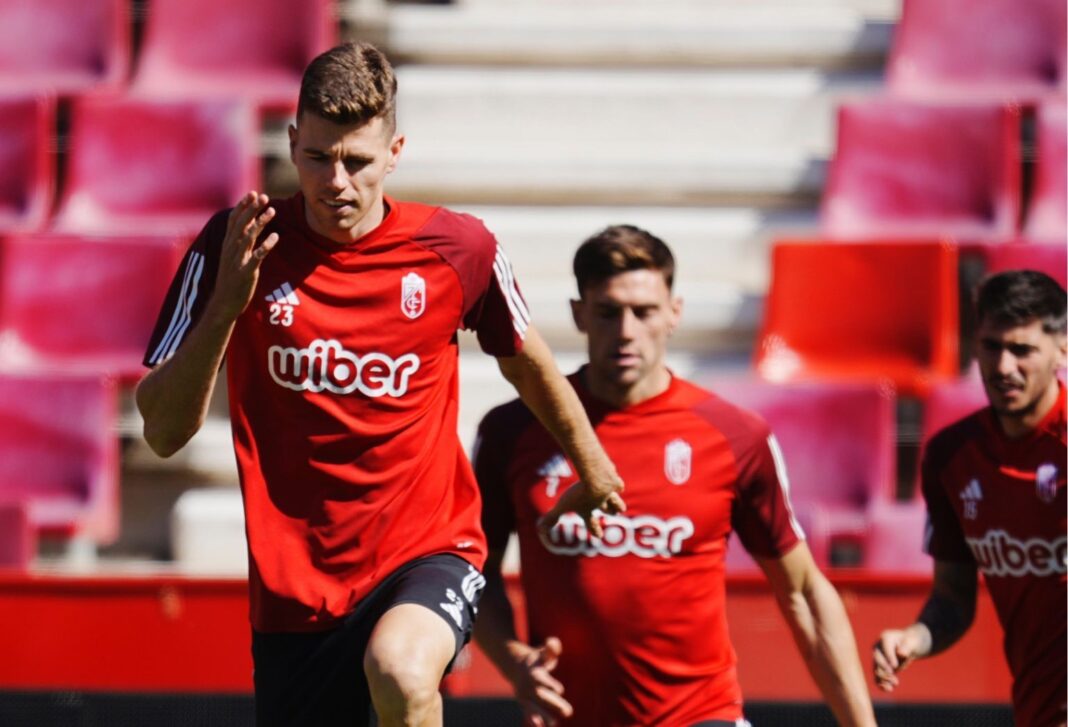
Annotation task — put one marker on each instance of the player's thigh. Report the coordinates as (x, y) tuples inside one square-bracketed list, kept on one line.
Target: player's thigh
[(410, 647)]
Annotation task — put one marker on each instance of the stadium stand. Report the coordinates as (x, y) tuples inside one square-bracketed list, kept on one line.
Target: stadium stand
[(951, 400), (135, 165), (995, 49), (85, 304), (1047, 214), (58, 454), (816, 423), (17, 541), (893, 538), (64, 46), (914, 169), (869, 310), (252, 49), (27, 182)]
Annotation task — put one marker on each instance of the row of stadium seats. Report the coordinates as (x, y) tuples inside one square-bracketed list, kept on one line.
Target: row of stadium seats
[(902, 168), (251, 49)]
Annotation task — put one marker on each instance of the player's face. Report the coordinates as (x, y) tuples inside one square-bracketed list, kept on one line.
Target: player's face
[(342, 169), (1019, 367), (627, 319)]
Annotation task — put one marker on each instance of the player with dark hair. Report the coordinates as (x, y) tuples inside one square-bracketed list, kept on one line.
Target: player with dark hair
[(994, 483), (336, 311), (629, 627)]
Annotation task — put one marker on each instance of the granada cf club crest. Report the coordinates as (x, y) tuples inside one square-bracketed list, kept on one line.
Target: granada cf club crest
[(413, 295), (678, 459), (1046, 482)]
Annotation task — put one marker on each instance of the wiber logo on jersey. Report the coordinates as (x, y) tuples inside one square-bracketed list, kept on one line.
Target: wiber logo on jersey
[(971, 496), (1046, 482), (326, 366), (413, 295), (554, 468), (678, 461), (999, 554), (646, 536)]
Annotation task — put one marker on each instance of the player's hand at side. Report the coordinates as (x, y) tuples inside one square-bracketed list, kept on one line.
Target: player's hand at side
[(895, 650), (589, 502), (537, 691), (241, 257)]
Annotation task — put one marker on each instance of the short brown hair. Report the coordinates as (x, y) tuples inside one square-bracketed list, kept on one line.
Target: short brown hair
[(618, 249), (350, 84), (1017, 297)]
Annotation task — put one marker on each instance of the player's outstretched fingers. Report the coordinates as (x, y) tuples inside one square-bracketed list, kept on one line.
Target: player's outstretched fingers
[(265, 247), (614, 504)]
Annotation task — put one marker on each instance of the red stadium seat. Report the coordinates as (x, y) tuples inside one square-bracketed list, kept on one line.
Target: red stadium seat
[(893, 542), (951, 401), (64, 46), (141, 166), (1051, 259), (994, 49), (27, 180), (1047, 216), (82, 303), (17, 541), (255, 49), (838, 441), (904, 169), (58, 453), (868, 311)]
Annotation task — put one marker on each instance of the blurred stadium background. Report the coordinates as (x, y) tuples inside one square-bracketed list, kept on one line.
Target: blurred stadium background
[(833, 175)]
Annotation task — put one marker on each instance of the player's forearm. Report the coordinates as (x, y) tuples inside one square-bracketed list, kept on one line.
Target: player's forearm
[(554, 402), (940, 624), (825, 638), (495, 625), (173, 398)]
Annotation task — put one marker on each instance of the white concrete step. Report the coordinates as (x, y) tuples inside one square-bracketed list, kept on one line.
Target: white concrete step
[(830, 34)]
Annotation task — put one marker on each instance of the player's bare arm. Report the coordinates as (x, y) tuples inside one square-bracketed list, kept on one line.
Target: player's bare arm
[(945, 617), (173, 398), (549, 396), (822, 632), (527, 668)]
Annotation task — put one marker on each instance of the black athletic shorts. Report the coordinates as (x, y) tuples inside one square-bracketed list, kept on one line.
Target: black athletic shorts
[(317, 678)]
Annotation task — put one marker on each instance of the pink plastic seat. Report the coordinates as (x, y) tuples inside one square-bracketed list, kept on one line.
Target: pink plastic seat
[(994, 49), (838, 444), (82, 303), (17, 541), (893, 541), (1051, 259), (866, 311), (951, 401), (145, 166), (27, 162), (1047, 216), (58, 453), (255, 49), (64, 46), (904, 169)]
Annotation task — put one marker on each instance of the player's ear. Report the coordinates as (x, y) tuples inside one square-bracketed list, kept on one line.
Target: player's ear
[(578, 314), (675, 313), (395, 148), (1062, 352), (292, 143)]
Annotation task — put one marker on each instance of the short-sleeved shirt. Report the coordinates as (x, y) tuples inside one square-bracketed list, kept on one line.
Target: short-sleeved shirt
[(1000, 503), (342, 376), (640, 612)]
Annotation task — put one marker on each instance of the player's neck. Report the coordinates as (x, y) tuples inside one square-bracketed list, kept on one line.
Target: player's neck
[(366, 225), (1017, 427), (620, 396)]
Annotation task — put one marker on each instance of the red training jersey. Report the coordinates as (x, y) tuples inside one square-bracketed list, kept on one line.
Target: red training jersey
[(640, 612), (1000, 503), (342, 377)]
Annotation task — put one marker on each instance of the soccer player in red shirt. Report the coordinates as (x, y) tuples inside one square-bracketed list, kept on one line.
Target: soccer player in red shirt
[(629, 628), (336, 312), (994, 484)]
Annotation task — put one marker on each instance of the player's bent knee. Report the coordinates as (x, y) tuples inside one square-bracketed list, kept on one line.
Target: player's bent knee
[(404, 663)]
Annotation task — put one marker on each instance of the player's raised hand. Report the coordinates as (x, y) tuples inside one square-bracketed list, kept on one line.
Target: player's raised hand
[(589, 503), (895, 650), (241, 257), (537, 691)]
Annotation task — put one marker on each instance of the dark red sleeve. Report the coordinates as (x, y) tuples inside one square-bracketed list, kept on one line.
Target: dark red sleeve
[(761, 514), (491, 455), (493, 306), (943, 538), (189, 292)]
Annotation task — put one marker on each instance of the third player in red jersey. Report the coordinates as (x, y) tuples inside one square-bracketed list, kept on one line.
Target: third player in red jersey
[(994, 483), (630, 627)]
